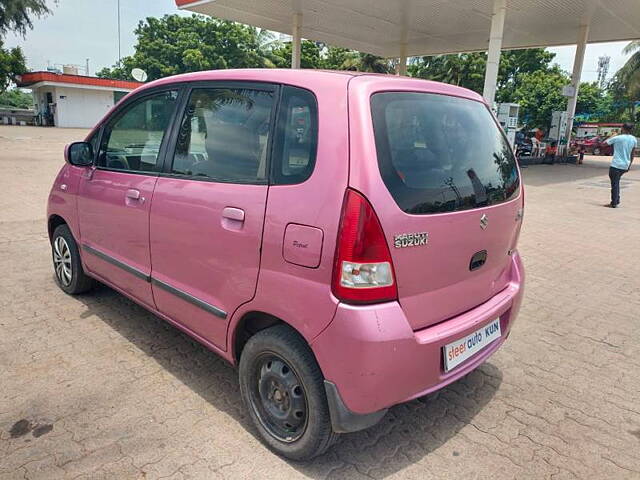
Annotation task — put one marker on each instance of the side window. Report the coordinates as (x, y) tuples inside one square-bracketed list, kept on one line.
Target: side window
[(224, 135), (296, 137), (131, 140)]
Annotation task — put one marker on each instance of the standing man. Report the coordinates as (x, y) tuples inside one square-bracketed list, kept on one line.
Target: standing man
[(623, 146)]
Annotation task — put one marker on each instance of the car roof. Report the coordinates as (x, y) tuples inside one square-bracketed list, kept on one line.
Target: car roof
[(277, 75), (311, 77)]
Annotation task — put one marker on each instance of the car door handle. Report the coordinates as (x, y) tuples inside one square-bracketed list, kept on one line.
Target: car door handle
[(233, 213), (133, 197), (133, 194)]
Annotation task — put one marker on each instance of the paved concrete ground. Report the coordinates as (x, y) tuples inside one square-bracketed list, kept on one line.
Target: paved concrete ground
[(95, 387)]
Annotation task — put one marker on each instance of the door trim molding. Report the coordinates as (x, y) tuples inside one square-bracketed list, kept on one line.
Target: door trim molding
[(113, 261), (207, 307), (190, 298)]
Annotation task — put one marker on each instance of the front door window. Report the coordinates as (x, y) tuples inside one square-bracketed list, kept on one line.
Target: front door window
[(132, 140)]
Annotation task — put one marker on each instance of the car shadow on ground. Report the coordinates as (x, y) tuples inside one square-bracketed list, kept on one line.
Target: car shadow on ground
[(406, 434)]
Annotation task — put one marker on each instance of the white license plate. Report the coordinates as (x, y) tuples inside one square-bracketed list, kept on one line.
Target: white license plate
[(457, 352)]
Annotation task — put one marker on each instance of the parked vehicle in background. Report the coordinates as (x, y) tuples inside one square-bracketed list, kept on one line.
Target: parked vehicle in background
[(524, 145), (595, 146), (349, 241)]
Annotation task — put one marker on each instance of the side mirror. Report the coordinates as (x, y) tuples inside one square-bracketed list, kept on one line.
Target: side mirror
[(79, 154)]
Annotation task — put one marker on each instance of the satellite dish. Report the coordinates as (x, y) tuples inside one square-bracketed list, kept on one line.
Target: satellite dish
[(139, 75)]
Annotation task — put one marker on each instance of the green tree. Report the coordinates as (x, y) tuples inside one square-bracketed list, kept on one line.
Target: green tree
[(624, 87), (623, 99), (335, 57), (12, 63), (16, 15), (539, 94), (468, 69), (514, 64), (590, 97), (464, 69), (366, 62), (309, 55), (629, 74), (524, 76), (173, 44), (16, 98), (339, 58), (605, 109), (267, 42), (266, 39)]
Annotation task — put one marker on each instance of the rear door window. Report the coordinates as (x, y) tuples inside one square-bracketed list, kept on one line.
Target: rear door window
[(438, 153), (224, 135)]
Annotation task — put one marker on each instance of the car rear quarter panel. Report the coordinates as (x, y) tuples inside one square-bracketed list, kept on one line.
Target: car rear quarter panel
[(298, 295)]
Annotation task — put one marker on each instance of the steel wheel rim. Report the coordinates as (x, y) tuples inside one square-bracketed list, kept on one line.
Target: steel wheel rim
[(278, 398), (62, 261)]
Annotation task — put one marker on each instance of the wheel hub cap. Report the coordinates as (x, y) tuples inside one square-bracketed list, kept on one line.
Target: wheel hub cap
[(62, 261)]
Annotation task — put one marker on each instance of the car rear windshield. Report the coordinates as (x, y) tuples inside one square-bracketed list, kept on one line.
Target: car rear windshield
[(438, 153)]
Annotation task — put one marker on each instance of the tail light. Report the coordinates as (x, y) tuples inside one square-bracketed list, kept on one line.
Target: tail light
[(363, 269)]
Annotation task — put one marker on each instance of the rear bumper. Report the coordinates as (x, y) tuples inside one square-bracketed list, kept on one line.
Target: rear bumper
[(375, 360)]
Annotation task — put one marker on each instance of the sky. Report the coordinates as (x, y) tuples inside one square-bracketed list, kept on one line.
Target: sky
[(81, 29)]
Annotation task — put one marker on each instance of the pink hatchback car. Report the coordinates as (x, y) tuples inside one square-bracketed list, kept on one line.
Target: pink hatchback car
[(349, 240)]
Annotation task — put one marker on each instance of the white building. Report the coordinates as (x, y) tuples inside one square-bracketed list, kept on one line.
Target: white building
[(67, 100)]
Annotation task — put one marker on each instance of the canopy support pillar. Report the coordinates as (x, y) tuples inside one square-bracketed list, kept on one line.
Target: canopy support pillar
[(578, 62), (402, 63), (296, 47), (495, 46)]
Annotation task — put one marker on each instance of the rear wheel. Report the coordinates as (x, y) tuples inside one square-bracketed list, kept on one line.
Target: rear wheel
[(282, 387), (596, 151), (67, 266)]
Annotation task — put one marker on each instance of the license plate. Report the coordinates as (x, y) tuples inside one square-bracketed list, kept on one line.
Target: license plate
[(457, 352)]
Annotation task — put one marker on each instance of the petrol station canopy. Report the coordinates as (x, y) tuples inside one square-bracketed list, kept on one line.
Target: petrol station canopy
[(429, 27)]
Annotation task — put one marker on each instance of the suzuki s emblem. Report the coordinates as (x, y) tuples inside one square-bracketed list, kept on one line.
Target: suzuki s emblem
[(410, 239), (484, 221)]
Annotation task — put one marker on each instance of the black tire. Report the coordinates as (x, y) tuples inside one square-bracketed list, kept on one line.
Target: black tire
[(78, 282), (283, 348), (596, 151)]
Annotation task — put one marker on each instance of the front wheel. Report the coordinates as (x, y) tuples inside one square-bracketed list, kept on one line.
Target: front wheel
[(282, 387), (67, 266), (596, 151)]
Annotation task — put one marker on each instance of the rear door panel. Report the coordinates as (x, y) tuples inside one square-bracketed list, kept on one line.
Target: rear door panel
[(196, 250), (208, 210), (435, 281)]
